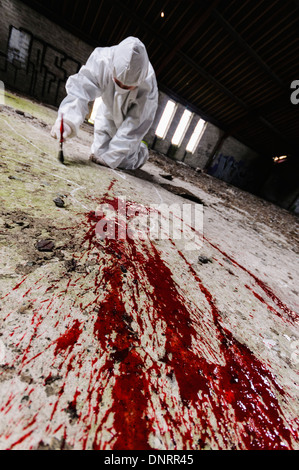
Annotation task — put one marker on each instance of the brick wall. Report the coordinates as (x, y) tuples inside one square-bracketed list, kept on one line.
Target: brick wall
[(36, 55)]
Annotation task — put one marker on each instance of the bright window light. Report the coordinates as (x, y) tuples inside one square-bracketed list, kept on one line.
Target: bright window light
[(94, 110), (280, 159), (182, 128), (166, 119), (195, 138)]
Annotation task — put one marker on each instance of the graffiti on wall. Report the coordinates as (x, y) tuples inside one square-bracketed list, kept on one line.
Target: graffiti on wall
[(233, 171), (36, 67)]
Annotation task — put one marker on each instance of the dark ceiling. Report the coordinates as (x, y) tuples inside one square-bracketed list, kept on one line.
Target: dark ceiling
[(230, 61)]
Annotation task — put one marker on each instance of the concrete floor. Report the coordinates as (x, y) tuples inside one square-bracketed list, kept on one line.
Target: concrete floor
[(129, 343)]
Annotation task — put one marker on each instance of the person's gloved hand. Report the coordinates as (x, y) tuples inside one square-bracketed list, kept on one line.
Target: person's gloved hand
[(55, 132)]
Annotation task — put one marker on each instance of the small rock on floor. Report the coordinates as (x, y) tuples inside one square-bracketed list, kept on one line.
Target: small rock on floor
[(204, 260), (45, 245), (59, 202)]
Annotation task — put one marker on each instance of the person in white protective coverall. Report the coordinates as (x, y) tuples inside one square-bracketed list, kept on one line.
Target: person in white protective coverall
[(125, 79)]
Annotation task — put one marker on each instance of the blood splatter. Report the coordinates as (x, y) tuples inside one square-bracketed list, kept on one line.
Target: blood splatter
[(69, 338), (243, 386), (176, 376), (289, 314)]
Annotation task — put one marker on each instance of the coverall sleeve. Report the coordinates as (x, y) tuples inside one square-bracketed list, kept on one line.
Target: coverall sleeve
[(83, 88), (127, 139)]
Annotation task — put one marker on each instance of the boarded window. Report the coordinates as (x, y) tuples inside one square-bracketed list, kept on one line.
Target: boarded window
[(18, 47)]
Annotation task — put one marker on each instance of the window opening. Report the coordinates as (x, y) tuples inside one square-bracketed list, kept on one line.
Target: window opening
[(280, 159), (166, 119), (196, 136), (94, 110), (182, 128)]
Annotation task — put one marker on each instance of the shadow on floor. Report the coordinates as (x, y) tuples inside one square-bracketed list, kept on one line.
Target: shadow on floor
[(143, 175)]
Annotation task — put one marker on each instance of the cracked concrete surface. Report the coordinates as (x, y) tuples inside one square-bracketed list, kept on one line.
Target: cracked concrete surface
[(139, 343)]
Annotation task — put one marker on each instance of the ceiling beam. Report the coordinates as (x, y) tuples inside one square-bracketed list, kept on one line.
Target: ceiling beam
[(245, 46), (206, 75), (192, 27)]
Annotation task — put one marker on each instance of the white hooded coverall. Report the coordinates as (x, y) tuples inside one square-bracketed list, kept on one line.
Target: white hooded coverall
[(124, 116)]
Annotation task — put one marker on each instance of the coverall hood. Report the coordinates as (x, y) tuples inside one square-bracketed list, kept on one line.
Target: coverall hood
[(130, 62)]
